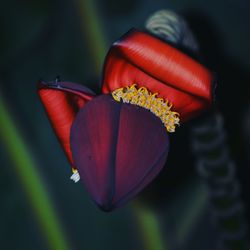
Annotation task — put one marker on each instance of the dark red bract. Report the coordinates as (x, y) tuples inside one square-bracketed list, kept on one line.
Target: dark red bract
[(118, 149)]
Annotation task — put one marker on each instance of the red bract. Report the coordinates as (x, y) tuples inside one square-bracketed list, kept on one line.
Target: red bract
[(62, 101), (147, 61), (118, 148)]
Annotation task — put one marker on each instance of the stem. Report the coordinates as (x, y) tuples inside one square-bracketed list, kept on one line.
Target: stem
[(93, 33), (26, 170), (149, 226)]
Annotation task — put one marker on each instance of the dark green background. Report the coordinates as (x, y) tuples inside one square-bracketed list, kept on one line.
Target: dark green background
[(43, 39)]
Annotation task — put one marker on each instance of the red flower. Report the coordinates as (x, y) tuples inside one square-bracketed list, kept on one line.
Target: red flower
[(115, 143)]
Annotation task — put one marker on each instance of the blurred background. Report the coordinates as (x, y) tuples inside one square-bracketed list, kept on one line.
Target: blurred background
[(40, 208)]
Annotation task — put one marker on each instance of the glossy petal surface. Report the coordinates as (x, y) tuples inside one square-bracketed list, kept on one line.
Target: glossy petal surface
[(118, 149), (62, 101), (147, 61)]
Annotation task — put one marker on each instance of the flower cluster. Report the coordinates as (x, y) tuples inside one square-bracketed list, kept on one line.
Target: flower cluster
[(144, 98), (97, 131)]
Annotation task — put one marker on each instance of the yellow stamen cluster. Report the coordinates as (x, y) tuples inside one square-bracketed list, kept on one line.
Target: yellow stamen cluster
[(144, 98)]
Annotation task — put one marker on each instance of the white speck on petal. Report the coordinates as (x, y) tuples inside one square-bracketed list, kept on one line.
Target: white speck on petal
[(75, 177)]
